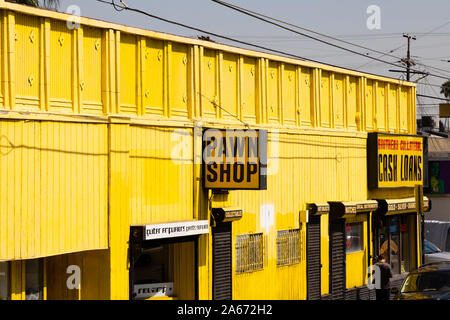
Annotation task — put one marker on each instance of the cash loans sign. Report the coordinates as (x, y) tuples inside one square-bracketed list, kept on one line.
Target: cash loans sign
[(395, 160), (235, 159)]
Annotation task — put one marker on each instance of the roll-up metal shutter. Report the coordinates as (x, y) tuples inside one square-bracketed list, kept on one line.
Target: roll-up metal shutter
[(351, 294), (222, 281), (313, 257), (364, 293), (337, 259)]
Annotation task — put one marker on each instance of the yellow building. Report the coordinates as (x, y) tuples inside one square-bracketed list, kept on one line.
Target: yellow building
[(102, 181)]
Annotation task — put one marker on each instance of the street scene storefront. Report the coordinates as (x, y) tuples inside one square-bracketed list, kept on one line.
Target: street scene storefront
[(171, 168)]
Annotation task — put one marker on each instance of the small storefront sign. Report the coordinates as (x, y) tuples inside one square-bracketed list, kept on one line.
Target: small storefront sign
[(151, 290), (176, 229), (235, 159), (395, 161), (226, 214)]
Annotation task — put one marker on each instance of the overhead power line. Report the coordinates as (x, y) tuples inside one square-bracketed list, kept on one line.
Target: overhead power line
[(431, 97), (123, 7), (403, 45), (271, 20)]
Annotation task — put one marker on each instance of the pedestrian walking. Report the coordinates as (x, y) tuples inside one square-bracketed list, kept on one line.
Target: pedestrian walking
[(383, 292)]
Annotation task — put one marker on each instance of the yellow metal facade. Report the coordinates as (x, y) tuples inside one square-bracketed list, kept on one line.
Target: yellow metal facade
[(99, 131)]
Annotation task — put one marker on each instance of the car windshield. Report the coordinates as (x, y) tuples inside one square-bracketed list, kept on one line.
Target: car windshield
[(427, 281), (430, 248)]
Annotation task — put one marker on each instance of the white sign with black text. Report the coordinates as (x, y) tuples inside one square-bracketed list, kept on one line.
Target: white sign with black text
[(150, 290), (176, 229)]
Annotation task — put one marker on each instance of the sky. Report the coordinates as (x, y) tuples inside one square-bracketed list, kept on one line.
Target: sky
[(344, 19)]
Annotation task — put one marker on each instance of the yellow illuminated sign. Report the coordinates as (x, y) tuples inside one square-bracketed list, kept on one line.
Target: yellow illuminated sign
[(234, 159), (397, 160)]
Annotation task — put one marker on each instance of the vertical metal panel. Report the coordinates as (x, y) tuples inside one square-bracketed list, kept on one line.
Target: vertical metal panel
[(128, 74), (338, 90), (289, 95), (3, 60), (91, 71), (153, 77), (403, 112), (273, 93), (306, 97), (229, 101), (249, 91), (352, 107), (209, 83), (380, 106), (62, 62), (326, 94), (392, 108), (27, 61), (178, 80)]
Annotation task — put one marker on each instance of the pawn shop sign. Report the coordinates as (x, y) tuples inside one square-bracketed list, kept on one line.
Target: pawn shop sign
[(235, 159)]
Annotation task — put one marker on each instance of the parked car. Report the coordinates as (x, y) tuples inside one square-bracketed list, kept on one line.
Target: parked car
[(433, 253), (431, 282)]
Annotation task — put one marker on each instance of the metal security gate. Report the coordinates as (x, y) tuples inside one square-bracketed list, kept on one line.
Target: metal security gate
[(313, 265), (337, 259), (222, 281)]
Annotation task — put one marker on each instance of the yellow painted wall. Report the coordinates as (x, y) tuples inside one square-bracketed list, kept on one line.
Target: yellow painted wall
[(299, 169), (107, 140), (47, 67)]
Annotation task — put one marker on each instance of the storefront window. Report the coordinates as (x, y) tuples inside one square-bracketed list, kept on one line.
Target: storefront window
[(4, 280), (354, 237), (396, 235), (33, 280)]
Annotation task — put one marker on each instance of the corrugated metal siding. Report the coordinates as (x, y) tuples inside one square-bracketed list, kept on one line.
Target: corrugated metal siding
[(161, 174), (53, 179), (54, 68), (173, 81)]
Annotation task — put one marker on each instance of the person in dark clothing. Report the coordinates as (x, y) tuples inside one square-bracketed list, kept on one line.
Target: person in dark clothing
[(383, 292)]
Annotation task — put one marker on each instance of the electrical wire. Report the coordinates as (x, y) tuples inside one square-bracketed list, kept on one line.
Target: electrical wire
[(205, 31), (267, 19), (431, 97), (251, 44)]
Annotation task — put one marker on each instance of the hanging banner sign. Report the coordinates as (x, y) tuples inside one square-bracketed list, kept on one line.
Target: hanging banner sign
[(235, 159), (395, 161)]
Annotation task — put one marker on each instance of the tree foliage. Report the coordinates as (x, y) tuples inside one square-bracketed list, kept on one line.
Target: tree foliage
[(445, 89), (49, 4)]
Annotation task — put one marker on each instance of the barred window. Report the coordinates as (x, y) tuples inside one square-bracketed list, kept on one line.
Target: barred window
[(249, 252), (288, 247)]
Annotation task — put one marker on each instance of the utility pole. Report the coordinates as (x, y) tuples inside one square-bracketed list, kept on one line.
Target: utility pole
[(408, 56), (408, 61)]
